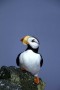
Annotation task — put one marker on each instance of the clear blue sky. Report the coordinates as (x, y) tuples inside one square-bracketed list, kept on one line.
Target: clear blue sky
[(39, 18)]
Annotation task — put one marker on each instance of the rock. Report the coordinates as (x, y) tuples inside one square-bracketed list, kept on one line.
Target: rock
[(4, 73), (12, 78), (7, 85)]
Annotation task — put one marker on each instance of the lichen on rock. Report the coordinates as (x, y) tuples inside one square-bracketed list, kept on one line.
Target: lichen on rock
[(12, 78)]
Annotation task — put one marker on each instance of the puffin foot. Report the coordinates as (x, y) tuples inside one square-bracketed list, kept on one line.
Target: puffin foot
[(36, 80)]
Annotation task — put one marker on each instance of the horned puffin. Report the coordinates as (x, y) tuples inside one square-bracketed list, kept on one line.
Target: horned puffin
[(30, 59)]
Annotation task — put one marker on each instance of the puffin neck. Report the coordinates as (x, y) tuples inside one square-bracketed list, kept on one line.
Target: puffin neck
[(34, 50)]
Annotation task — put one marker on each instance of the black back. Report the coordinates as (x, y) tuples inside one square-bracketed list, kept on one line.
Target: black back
[(41, 62), (17, 60)]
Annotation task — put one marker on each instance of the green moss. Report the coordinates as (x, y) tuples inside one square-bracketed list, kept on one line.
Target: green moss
[(15, 78), (18, 79), (26, 80), (4, 73)]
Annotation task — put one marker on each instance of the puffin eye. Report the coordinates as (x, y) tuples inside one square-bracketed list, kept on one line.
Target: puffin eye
[(33, 40)]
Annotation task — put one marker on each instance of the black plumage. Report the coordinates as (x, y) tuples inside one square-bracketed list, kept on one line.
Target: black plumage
[(30, 48), (17, 60), (41, 62)]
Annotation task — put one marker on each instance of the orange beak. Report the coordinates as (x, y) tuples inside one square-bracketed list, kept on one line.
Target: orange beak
[(24, 40)]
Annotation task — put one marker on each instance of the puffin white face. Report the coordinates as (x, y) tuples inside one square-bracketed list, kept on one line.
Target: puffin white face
[(33, 42)]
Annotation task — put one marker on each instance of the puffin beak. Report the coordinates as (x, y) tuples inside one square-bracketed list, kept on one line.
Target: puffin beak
[(24, 40)]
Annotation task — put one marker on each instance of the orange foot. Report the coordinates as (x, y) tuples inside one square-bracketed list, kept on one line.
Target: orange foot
[(36, 80)]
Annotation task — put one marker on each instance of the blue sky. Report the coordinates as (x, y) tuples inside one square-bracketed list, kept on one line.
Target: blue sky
[(39, 18)]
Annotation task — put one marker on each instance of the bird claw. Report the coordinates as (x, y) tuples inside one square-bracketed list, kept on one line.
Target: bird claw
[(36, 80)]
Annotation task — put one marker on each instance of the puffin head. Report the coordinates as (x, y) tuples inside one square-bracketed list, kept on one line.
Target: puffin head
[(31, 41)]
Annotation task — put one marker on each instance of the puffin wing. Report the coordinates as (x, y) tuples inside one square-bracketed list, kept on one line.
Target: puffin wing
[(41, 61), (17, 60)]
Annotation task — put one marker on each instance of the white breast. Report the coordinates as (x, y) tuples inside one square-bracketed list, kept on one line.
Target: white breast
[(30, 61)]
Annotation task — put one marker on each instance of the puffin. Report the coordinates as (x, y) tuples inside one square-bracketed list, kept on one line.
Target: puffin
[(30, 60)]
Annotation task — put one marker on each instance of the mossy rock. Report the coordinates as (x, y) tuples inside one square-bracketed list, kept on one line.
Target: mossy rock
[(12, 78), (4, 73)]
